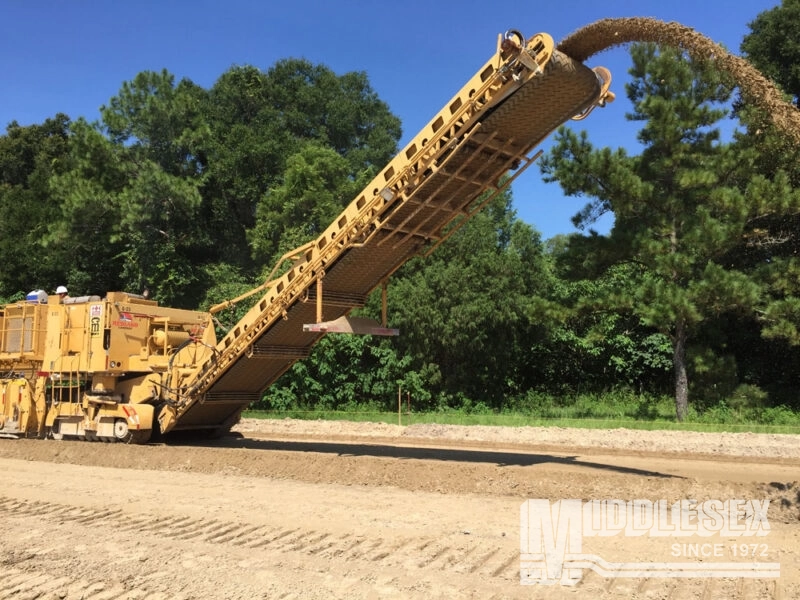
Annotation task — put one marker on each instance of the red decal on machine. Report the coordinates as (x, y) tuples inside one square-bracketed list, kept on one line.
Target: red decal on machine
[(125, 320)]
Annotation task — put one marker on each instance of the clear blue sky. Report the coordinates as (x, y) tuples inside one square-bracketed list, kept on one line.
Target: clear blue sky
[(71, 57)]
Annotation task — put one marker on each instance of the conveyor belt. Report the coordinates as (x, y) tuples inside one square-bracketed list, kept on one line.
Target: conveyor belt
[(433, 184)]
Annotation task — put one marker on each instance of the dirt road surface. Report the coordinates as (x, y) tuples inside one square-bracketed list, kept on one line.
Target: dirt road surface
[(293, 509)]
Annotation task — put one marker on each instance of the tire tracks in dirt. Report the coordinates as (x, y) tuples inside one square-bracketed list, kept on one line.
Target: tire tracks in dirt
[(469, 556), (322, 518)]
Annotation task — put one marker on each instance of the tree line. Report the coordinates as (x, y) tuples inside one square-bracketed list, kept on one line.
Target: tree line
[(195, 193)]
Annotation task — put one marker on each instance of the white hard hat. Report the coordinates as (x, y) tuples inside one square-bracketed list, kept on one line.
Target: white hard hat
[(61, 289)]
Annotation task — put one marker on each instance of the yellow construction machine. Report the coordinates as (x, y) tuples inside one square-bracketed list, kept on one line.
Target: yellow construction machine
[(96, 368), (123, 368)]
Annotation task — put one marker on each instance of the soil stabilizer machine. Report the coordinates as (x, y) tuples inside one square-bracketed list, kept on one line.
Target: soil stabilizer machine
[(123, 368)]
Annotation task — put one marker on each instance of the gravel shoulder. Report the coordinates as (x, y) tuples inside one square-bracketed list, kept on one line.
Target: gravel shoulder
[(756, 445)]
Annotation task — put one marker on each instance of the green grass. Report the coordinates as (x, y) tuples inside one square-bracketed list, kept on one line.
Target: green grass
[(511, 419), (611, 410)]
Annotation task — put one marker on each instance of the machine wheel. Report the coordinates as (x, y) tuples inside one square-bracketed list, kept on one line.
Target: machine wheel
[(121, 431), (55, 431)]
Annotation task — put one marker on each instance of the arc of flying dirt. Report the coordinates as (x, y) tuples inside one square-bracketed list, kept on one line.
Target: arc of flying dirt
[(755, 87)]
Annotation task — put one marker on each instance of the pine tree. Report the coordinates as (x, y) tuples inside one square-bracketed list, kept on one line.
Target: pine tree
[(682, 207)]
